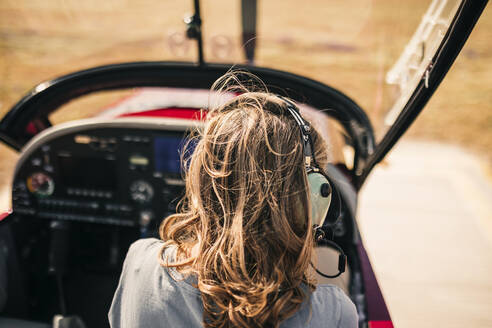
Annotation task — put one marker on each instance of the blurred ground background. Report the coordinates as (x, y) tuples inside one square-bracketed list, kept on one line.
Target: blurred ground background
[(427, 224), (347, 44)]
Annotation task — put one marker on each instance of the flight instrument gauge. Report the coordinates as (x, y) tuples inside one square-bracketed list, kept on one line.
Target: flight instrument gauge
[(40, 184)]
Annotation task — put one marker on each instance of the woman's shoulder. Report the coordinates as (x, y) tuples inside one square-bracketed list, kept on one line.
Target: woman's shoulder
[(147, 251), (142, 245), (145, 254), (148, 293), (141, 260), (327, 306), (330, 298)]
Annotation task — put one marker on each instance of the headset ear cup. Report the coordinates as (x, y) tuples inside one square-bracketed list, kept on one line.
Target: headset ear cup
[(335, 209), (320, 195)]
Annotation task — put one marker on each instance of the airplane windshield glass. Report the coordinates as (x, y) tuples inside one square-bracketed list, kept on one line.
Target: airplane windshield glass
[(373, 51), (44, 39)]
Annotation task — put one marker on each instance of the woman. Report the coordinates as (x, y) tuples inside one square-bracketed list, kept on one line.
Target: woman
[(238, 252)]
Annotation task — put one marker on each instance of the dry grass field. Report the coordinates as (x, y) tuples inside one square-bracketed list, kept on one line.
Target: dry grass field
[(346, 44)]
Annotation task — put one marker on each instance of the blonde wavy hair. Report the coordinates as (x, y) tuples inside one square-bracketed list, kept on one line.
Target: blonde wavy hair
[(246, 212)]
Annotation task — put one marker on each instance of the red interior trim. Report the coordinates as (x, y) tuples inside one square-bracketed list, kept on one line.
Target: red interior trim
[(4, 215), (31, 129), (184, 113), (381, 324)]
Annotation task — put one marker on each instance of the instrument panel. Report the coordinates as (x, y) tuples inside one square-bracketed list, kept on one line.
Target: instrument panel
[(124, 172), (82, 193)]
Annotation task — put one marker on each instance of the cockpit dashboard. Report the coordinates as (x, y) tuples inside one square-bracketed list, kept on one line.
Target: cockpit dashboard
[(82, 192), (122, 172)]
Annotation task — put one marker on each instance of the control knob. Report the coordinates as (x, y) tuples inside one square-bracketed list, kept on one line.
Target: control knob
[(141, 191)]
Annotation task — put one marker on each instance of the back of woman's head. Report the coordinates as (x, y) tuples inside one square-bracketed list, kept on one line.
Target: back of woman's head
[(246, 209)]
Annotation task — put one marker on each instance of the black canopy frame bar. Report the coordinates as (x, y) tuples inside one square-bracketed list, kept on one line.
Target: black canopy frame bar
[(48, 96), (454, 40)]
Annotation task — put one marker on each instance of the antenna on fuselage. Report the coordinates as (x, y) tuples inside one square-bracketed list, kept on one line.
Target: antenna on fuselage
[(248, 19)]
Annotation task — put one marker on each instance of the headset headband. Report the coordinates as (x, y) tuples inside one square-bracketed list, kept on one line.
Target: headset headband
[(310, 162), (305, 132)]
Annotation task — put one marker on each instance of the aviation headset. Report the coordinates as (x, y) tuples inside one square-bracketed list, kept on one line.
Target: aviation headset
[(325, 198)]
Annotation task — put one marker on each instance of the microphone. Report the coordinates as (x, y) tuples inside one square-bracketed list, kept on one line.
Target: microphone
[(325, 234)]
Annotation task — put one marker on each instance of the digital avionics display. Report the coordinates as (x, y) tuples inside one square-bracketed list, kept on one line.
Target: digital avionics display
[(93, 173), (167, 152)]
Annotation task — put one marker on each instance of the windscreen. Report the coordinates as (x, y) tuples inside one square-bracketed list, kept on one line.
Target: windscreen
[(373, 51), (44, 39)]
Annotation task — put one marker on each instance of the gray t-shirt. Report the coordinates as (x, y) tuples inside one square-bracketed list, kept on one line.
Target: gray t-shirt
[(149, 295)]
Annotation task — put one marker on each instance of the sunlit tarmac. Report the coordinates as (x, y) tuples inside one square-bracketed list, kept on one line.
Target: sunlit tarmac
[(426, 219)]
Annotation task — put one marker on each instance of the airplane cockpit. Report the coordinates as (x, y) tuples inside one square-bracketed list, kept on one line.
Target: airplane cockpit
[(82, 192), (106, 172)]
